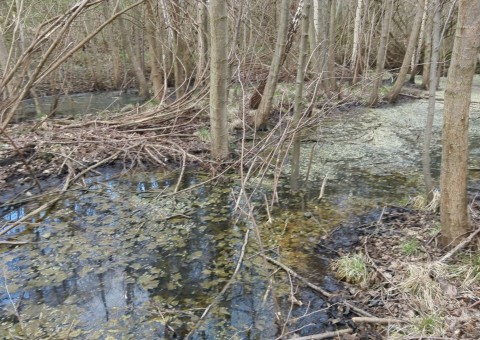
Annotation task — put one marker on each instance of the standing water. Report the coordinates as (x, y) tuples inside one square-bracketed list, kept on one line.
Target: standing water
[(123, 258)]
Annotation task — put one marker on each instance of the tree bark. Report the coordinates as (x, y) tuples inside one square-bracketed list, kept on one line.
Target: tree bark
[(382, 52), (297, 109), (219, 79), (453, 179), (395, 91)]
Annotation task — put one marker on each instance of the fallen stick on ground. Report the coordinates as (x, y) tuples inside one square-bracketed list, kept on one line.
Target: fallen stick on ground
[(325, 335), (376, 320)]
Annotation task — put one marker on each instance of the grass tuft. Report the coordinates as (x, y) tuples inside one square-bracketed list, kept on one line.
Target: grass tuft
[(351, 268)]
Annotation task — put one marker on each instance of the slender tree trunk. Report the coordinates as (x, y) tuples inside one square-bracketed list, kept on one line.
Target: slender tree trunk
[(453, 179), (416, 54), (271, 84), (297, 109), (136, 62), (357, 32), (427, 176), (382, 52), (114, 49), (154, 47), (4, 65), (219, 79), (202, 38), (312, 40), (322, 11), (427, 50), (332, 81), (395, 91)]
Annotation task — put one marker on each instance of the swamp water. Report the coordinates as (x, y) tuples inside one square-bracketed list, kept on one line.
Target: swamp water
[(120, 259), (77, 104)]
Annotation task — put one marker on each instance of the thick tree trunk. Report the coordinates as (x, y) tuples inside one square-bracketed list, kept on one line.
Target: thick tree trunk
[(271, 84), (382, 52), (453, 180), (427, 176), (297, 109), (395, 91), (218, 79)]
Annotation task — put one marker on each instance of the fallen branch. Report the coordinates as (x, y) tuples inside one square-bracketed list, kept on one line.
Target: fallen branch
[(459, 246), (317, 288), (325, 335), (301, 278)]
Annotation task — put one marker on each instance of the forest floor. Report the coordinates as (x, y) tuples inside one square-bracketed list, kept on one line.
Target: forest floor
[(408, 285)]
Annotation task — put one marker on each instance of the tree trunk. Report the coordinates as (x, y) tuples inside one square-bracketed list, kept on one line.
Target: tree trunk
[(218, 79), (382, 52), (395, 91), (202, 38), (357, 31), (154, 47), (271, 84), (297, 109), (332, 81), (427, 176), (416, 54), (136, 62), (321, 25), (427, 51), (453, 180)]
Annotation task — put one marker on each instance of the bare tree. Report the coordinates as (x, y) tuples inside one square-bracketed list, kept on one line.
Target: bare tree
[(453, 180)]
